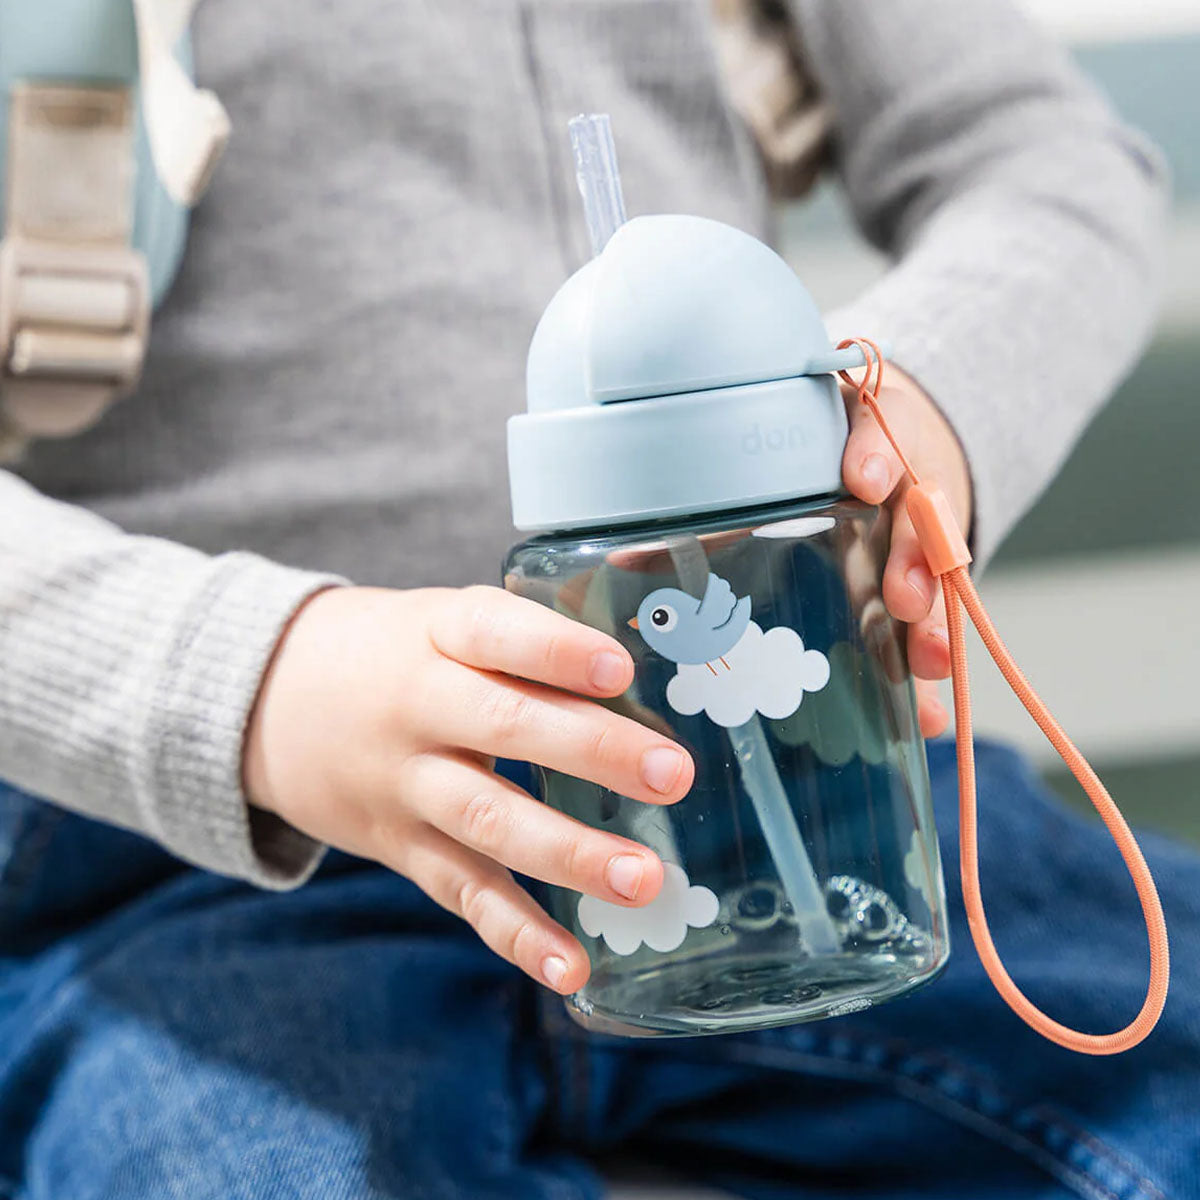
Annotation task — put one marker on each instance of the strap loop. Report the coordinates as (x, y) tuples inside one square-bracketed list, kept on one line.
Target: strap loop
[(948, 556)]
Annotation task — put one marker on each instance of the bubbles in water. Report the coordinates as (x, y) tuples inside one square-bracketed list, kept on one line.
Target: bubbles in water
[(838, 901), (757, 906), (879, 918), (850, 1006), (864, 913)]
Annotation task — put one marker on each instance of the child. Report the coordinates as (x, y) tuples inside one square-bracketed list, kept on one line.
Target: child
[(327, 389)]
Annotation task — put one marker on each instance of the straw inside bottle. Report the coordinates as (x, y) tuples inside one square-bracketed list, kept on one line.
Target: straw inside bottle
[(766, 791), (783, 837)]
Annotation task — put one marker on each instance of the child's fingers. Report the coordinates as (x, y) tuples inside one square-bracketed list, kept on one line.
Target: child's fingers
[(909, 588), (493, 630), (931, 712), (929, 644), (504, 915), (498, 819), (870, 466), (510, 718)]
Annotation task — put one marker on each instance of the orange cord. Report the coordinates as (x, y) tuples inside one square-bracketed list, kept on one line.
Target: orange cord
[(948, 556)]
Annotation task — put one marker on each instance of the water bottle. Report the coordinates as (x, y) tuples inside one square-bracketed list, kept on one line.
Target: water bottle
[(679, 470)]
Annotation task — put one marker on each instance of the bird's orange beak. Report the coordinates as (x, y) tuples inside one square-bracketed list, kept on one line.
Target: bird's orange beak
[(632, 623)]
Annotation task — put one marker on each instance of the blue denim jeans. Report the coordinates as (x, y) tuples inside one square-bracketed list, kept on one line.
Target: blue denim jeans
[(168, 1033)]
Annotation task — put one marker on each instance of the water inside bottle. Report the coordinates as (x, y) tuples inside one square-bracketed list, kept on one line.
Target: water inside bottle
[(752, 967), (805, 872)]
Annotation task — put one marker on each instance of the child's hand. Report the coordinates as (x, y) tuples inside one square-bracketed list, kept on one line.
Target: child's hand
[(873, 473), (377, 726)]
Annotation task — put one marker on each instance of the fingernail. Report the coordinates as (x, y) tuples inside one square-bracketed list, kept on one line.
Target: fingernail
[(939, 632), (624, 875), (608, 671), (554, 970), (919, 579), (875, 471), (661, 768)]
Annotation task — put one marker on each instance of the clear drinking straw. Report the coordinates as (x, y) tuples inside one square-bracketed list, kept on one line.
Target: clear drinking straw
[(604, 208), (766, 791), (783, 836), (598, 176)]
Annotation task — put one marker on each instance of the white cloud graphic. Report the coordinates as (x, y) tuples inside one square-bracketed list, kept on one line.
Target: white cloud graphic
[(662, 924), (767, 673), (846, 718), (915, 871), (797, 527)]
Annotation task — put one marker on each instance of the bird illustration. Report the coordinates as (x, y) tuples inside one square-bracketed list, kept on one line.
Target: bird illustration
[(686, 630)]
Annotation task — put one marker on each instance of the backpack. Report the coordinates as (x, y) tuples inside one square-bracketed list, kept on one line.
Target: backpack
[(107, 142)]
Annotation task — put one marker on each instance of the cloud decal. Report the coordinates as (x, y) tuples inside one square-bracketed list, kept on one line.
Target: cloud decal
[(846, 719), (662, 924), (917, 867), (765, 672), (796, 527)]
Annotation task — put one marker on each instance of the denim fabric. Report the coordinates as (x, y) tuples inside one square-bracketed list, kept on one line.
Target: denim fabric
[(168, 1033)]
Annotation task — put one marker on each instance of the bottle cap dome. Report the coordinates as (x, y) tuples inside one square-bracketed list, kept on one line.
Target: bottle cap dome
[(684, 369)]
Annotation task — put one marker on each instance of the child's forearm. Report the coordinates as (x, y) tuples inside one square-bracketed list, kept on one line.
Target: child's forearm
[(130, 665), (1025, 218)]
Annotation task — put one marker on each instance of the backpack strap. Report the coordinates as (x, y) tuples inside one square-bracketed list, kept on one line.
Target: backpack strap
[(187, 126), (74, 297), (93, 222), (771, 88)]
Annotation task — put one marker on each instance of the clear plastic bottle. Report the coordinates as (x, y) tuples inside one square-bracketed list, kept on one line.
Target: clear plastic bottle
[(804, 876), (680, 462)]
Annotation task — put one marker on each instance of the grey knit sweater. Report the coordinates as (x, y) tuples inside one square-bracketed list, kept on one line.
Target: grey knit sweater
[(329, 379)]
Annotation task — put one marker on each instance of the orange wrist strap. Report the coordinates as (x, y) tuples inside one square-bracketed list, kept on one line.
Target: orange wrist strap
[(948, 556)]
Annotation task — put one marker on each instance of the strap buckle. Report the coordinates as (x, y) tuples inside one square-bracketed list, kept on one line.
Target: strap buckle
[(74, 296), (73, 329)]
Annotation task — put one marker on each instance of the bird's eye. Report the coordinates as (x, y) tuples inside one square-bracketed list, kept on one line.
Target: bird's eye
[(664, 618)]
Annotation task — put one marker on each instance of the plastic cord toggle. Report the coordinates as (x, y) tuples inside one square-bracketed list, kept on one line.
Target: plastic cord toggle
[(937, 530)]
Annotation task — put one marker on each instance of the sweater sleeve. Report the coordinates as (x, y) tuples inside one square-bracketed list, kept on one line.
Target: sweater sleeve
[(130, 665), (1023, 218)]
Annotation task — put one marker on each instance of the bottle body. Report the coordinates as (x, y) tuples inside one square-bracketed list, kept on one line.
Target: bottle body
[(802, 870)]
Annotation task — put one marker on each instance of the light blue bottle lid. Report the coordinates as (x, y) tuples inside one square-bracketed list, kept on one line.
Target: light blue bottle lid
[(684, 370)]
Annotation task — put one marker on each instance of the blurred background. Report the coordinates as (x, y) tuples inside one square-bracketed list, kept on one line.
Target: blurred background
[(1097, 592)]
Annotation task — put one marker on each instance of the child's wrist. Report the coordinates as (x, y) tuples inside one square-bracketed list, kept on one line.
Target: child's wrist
[(256, 772)]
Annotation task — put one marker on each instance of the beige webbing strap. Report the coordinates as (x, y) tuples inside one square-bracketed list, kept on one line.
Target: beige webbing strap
[(187, 125), (74, 297), (771, 89)]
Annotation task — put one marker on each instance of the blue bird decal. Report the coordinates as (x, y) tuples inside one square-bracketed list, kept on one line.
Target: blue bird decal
[(686, 630)]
